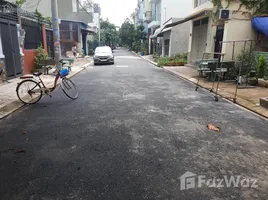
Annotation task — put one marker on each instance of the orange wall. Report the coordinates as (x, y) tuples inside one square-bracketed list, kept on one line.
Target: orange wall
[(28, 60)]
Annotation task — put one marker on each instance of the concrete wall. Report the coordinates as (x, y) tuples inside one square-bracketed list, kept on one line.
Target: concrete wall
[(43, 7), (207, 5), (238, 28), (233, 33), (65, 8), (178, 9), (180, 39)]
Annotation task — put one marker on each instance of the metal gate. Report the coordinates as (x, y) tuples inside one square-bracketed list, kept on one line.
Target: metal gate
[(50, 44), (11, 49), (10, 43)]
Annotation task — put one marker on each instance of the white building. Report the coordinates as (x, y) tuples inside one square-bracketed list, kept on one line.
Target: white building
[(207, 33), (167, 41)]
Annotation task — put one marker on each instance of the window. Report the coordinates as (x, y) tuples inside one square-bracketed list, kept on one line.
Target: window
[(200, 22), (166, 47), (200, 2), (33, 37), (74, 5)]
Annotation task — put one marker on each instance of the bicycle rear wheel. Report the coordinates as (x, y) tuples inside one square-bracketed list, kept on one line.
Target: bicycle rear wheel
[(68, 87), (29, 91)]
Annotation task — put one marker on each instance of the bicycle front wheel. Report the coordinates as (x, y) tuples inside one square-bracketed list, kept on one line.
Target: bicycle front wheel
[(29, 92), (68, 87)]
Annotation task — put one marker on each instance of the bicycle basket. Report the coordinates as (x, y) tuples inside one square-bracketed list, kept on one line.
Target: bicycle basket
[(64, 72)]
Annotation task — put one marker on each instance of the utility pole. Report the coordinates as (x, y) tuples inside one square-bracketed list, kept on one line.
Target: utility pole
[(56, 32), (165, 14), (99, 30)]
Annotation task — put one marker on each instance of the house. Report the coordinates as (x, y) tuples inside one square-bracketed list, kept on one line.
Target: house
[(137, 15), (154, 42), (175, 39), (74, 33), (147, 16), (74, 27), (207, 31), (165, 40)]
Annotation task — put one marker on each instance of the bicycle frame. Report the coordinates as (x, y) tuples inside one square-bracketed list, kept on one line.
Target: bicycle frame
[(40, 81)]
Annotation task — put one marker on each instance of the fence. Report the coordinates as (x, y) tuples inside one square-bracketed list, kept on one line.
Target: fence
[(233, 73)]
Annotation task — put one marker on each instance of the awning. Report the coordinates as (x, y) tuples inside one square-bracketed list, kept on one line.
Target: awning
[(190, 17), (260, 24), (165, 30), (157, 32)]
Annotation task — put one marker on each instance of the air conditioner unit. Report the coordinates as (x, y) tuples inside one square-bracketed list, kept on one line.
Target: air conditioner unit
[(225, 14)]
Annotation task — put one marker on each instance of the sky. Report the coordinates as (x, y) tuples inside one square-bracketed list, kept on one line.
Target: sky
[(117, 10)]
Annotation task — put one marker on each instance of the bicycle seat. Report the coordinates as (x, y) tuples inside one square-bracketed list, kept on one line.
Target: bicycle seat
[(37, 73)]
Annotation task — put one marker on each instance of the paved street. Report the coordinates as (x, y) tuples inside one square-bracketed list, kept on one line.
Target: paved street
[(133, 132)]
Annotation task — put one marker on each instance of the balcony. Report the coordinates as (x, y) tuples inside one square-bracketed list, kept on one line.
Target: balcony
[(148, 16), (154, 24)]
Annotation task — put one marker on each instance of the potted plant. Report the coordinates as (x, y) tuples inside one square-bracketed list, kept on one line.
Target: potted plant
[(253, 79), (262, 72), (40, 56)]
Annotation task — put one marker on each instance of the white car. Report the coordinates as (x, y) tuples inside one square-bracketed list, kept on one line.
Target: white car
[(103, 55)]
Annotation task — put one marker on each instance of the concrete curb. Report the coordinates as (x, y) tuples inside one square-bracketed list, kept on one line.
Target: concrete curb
[(17, 104), (152, 62), (226, 99)]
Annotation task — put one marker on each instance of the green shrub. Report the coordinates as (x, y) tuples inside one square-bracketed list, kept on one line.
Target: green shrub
[(246, 61), (262, 67), (162, 61), (41, 55)]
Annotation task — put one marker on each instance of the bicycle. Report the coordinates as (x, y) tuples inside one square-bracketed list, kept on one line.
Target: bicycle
[(29, 91)]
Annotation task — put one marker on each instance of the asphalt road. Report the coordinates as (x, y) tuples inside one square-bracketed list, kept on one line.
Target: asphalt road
[(133, 132)]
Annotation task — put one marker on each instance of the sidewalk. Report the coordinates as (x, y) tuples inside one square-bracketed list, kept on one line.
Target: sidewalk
[(9, 101), (248, 98)]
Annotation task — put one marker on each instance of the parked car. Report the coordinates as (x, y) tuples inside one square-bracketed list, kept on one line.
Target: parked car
[(103, 55)]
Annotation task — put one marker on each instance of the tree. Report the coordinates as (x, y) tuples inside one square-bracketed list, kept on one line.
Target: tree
[(133, 38), (127, 33), (109, 34)]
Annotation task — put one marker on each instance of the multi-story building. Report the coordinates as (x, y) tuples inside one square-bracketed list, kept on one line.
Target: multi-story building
[(75, 18), (165, 12), (137, 15), (208, 31), (75, 10), (43, 7)]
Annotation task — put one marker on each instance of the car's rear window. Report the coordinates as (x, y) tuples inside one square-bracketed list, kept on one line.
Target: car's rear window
[(103, 50)]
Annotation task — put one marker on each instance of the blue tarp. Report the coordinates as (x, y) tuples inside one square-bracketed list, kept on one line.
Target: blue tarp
[(260, 24)]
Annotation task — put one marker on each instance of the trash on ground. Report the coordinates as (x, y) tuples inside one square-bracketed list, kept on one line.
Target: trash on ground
[(213, 128), (20, 151), (24, 132)]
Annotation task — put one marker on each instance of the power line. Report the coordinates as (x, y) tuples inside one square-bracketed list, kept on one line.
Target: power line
[(90, 14)]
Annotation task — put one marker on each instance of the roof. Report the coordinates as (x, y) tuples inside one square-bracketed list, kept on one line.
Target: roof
[(190, 17), (67, 20), (83, 25)]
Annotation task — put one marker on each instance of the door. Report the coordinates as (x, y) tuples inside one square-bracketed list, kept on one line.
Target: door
[(199, 39), (11, 49), (218, 40), (166, 47)]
